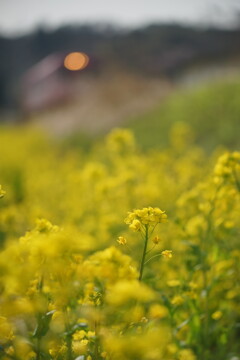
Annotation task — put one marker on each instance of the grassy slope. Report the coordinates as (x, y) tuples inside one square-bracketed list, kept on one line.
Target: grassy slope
[(213, 111)]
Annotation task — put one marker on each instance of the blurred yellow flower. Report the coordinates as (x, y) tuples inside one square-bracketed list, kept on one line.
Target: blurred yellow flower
[(217, 315), (2, 192), (177, 300), (167, 254), (156, 240), (122, 240)]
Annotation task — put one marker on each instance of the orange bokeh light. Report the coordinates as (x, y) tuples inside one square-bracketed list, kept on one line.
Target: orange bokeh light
[(76, 61)]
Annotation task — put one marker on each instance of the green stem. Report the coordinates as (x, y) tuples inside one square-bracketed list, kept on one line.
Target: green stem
[(151, 249), (144, 253), (69, 336), (38, 357), (96, 345), (153, 257), (236, 179), (69, 347)]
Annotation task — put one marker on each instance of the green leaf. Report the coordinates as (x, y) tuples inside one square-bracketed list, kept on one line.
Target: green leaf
[(43, 325)]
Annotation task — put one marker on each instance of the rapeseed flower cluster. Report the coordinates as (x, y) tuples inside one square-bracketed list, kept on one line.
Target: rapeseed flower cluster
[(146, 216), (89, 288), (228, 168)]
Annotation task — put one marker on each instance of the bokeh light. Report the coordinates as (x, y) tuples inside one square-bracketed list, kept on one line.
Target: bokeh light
[(76, 61)]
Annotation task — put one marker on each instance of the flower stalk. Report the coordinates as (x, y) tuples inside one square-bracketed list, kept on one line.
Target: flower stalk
[(144, 253)]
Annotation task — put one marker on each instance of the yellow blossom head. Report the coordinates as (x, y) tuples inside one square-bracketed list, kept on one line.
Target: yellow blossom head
[(167, 254), (146, 216), (2, 192), (122, 240), (156, 240), (217, 315)]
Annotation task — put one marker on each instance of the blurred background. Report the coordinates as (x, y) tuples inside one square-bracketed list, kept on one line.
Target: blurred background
[(85, 67)]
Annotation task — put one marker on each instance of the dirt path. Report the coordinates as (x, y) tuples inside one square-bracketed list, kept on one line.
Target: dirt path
[(103, 103)]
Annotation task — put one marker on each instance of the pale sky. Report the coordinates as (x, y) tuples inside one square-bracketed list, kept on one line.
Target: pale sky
[(20, 16)]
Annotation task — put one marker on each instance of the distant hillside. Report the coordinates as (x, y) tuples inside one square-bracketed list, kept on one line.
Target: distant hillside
[(212, 113), (154, 51)]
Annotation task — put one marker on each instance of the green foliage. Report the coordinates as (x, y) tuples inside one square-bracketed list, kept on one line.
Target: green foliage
[(212, 111)]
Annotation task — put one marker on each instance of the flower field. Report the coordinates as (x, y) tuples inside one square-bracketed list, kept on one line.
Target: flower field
[(118, 253)]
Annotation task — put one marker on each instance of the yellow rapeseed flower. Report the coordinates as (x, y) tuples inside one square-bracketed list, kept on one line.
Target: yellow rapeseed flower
[(2, 192), (158, 311), (186, 354), (122, 240), (177, 300), (156, 240), (217, 315), (135, 225), (79, 335), (146, 216), (173, 283), (167, 254)]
